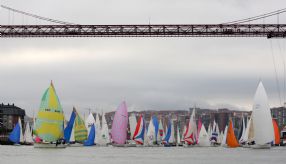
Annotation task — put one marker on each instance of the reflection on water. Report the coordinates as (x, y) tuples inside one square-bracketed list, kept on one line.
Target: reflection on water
[(158, 155)]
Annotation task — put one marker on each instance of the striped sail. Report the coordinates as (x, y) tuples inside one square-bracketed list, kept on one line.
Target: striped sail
[(191, 132), (50, 118), (139, 131), (119, 124), (80, 131)]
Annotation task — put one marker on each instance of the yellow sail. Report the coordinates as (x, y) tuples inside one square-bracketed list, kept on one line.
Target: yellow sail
[(50, 118), (80, 131)]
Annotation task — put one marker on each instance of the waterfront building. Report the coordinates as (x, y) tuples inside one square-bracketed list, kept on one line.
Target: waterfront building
[(9, 115)]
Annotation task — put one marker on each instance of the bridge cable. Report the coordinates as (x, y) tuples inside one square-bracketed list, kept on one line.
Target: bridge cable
[(246, 20), (38, 17)]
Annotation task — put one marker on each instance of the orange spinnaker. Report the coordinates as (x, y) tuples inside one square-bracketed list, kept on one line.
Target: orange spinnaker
[(231, 139), (276, 132)]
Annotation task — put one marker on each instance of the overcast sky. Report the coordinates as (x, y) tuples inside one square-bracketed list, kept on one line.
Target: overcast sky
[(149, 73)]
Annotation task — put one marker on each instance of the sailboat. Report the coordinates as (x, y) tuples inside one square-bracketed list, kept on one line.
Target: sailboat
[(50, 121), (98, 130), (223, 141), (199, 129), (105, 140), (139, 132), (152, 133), (244, 139), (91, 137), (242, 132), (203, 140), (15, 135), (160, 132), (262, 120), (214, 135), (28, 139), (276, 133), (89, 122), (132, 126), (250, 137), (119, 126), (178, 140), (230, 138), (80, 131), (191, 132), (168, 139)]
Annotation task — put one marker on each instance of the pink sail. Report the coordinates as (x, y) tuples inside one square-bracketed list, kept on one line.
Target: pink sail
[(119, 124)]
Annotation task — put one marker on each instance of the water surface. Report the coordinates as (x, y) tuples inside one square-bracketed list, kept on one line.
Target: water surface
[(158, 155)]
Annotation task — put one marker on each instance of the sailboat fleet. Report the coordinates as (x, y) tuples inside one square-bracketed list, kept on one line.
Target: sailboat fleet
[(48, 131)]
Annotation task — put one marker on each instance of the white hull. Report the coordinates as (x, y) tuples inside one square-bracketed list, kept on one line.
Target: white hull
[(266, 146), (75, 145), (49, 145)]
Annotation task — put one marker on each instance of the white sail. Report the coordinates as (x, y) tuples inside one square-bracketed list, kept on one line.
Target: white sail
[(21, 131), (250, 131), (223, 142), (262, 121), (145, 136), (203, 137), (72, 139), (88, 123), (243, 131), (151, 136), (191, 133), (172, 137), (210, 130), (97, 129), (104, 139), (220, 137), (178, 135), (184, 132), (214, 127), (28, 135), (246, 133), (132, 124), (161, 132)]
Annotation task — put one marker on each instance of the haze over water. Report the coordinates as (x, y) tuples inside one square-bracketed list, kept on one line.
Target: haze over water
[(160, 155)]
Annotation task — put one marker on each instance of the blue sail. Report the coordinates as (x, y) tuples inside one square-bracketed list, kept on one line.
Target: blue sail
[(156, 125), (15, 134), (168, 134), (68, 129), (91, 136)]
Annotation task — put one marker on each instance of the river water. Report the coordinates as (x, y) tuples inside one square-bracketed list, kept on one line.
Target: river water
[(158, 155)]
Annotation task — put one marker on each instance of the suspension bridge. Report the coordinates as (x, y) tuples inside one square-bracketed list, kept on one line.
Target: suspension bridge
[(239, 28)]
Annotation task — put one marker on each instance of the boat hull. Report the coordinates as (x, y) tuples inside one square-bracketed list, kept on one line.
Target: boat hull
[(75, 145), (49, 145), (266, 146), (124, 145)]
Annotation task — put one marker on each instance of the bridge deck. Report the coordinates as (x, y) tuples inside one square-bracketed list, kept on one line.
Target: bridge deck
[(164, 30)]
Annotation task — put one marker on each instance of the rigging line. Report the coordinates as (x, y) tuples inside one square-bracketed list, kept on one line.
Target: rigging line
[(284, 67), (36, 16), (275, 69), (250, 20), (257, 17)]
